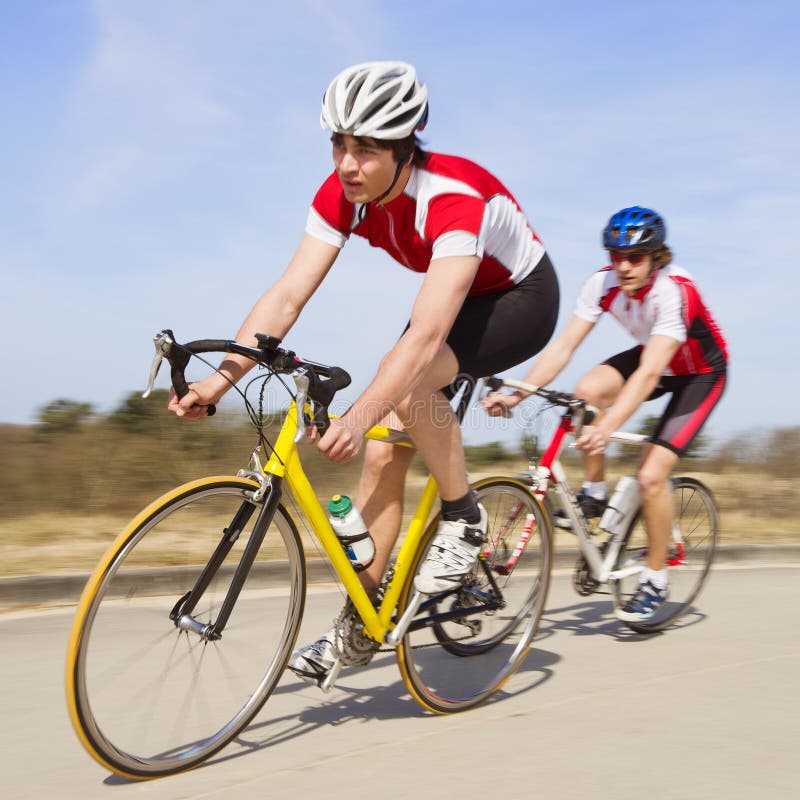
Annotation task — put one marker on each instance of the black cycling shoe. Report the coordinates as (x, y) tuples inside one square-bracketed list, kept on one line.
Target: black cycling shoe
[(591, 507)]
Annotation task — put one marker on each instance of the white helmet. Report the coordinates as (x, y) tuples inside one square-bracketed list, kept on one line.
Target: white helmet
[(380, 99)]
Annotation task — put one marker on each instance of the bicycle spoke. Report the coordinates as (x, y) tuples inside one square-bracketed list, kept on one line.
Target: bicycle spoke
[(151, 698), (467, 649), (696, 519)]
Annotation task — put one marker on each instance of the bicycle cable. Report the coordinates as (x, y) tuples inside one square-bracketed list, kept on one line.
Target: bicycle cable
[(256, 418)]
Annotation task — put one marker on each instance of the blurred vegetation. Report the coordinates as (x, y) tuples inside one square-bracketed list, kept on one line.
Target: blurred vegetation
[(73, 479), (74, 460)]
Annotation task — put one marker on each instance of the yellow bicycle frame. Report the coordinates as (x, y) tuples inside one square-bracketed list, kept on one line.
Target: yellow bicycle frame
[(285, 463)]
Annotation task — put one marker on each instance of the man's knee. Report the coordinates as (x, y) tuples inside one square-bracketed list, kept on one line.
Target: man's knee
[(382, 459), (652, 481), (588, 390), (655, 470), (600, 386)]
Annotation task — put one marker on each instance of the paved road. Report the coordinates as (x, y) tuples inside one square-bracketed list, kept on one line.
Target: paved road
[(706, 710)]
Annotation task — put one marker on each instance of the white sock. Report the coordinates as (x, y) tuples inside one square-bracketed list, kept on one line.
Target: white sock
[(658, 577), (596, 489)]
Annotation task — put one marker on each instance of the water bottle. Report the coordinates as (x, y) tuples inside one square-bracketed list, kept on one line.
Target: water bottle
[(623, 505), (352, 532)]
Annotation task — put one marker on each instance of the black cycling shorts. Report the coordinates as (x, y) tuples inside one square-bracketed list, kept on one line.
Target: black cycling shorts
[(494, 332), (693, 399)]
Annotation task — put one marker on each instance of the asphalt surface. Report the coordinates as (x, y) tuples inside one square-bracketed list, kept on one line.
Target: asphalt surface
[(707, 709)]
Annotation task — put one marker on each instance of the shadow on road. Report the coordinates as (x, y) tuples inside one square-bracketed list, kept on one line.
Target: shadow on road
[(593, 617), (354, 703)]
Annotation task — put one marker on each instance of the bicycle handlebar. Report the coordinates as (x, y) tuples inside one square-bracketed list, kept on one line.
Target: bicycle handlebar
[(323, 381), (563, 399)]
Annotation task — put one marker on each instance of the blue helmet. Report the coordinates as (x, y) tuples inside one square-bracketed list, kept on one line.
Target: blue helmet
[(635, 228)]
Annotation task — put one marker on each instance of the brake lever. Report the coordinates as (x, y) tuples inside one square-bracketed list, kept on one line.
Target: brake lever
[(163, 343), (302, 382), (586, 415), (578, 409)]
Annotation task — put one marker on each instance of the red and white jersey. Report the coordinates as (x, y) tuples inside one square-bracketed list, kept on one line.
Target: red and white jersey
[(669, 305), (450, 207)]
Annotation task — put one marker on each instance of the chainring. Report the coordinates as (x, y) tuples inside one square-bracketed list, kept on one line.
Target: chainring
[(354, 646), (582, 580)]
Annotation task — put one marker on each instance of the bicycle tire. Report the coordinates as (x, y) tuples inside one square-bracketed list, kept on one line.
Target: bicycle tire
[(456, 665), (697, 522), (148, 699)]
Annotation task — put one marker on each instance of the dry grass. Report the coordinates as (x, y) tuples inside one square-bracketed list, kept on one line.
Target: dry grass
[(754, 510), (69, 489)]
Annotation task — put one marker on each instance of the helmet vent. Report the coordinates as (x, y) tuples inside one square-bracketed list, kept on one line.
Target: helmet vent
[(634, 227)]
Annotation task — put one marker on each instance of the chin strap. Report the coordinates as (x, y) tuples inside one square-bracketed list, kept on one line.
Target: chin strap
[(377, 201), (397, 172)]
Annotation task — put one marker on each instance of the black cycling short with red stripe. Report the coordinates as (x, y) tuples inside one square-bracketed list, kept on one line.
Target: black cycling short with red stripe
[(693, 399)]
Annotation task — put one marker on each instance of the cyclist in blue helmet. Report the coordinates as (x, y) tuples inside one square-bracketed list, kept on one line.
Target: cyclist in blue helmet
[(679, 350)]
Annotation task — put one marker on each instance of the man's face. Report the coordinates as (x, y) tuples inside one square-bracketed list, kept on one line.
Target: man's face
[(364, 170), (633, 269)]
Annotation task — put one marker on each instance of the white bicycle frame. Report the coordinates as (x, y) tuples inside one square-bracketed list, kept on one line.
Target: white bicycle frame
[(549, 475), (601, 567)]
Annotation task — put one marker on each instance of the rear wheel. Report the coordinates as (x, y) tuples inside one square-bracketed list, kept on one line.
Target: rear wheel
[(479, 650), (148, 698), (689, 557)]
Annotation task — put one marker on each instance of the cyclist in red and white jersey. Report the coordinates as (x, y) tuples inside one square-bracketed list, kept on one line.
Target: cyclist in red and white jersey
[(680, 349), (488, 301), (449, 206)]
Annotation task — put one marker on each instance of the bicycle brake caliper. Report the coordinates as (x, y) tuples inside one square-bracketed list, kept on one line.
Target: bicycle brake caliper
[(256, 473)]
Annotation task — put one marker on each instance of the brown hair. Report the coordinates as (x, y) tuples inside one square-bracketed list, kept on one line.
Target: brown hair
[(402, 149), (661, 257)]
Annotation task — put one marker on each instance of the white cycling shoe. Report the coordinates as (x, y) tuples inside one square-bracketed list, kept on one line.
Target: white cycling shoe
[(313, 662), (453, 555)]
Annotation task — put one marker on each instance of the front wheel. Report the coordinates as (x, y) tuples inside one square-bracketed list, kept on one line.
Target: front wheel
[(149, 698), (689, 554), (472, 639)]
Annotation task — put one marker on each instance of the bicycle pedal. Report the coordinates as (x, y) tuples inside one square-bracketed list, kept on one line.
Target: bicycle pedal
[(330, 679), (472, 625)]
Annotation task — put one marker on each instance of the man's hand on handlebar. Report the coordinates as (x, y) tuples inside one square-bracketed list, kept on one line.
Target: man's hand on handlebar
[(342, 441), (316, 383), (500, 405), (194, 405), (593, 440)]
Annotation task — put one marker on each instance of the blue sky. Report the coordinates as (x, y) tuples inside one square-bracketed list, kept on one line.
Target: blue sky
[(158, 160)]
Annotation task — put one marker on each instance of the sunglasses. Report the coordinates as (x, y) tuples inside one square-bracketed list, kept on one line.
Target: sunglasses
[(631, 258)]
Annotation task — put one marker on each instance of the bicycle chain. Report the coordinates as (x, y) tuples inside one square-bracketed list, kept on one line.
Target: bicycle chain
[(355, 648)]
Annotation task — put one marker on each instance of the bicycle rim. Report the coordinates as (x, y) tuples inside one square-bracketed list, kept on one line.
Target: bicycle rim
[(148, 699), (455, 665), (689, 556)]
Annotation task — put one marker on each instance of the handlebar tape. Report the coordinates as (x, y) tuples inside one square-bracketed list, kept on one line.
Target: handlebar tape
[(320, 391), (323, 391), (179, 358)]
